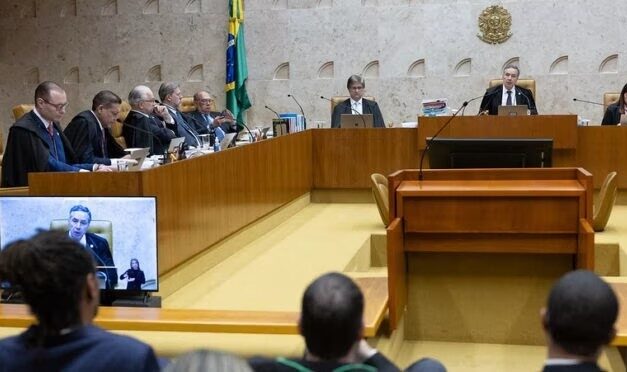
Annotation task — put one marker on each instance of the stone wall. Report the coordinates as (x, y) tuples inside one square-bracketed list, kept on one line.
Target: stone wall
[(407, 50)]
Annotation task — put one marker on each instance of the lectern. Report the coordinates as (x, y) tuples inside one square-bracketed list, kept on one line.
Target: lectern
[(498, 214)]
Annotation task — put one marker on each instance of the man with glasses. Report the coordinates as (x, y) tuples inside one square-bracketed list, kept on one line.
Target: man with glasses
[(356, 104), (211, 119), (89, 131), (36, 143), (148, 124)]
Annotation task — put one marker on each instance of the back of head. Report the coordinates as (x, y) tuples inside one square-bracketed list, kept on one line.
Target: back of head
[(208, 360), (581, 312), (50, 270), (331, 316)]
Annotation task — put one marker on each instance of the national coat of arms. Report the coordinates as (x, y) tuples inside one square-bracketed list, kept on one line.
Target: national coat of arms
[(494, 24)]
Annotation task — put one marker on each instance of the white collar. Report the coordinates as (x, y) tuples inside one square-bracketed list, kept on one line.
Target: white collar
[(562, 362), (98, 120), (46, 122), (353, 103), (139, 112)]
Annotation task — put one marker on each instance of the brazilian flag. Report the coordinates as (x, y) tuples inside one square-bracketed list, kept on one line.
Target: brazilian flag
[(237, 100)]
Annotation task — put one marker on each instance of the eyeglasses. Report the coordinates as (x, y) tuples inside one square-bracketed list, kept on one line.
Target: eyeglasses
[(58, 106)]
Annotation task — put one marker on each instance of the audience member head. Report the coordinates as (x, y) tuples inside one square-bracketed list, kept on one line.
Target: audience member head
[(511, 73), (50, 101), (106, 106), (579, 317), (356, 85), (142, 99), (332, 316), (622, 100), (78, 221), (56, 276), (170, 94), (203, 101), (208, 360)]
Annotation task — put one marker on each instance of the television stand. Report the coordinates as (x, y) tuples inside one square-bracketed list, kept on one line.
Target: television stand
[(137, 299)]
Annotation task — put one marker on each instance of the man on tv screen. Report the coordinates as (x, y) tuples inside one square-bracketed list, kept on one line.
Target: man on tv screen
[(78, 224)]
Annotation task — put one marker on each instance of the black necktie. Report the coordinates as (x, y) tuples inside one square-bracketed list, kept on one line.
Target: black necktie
[(509, 98)]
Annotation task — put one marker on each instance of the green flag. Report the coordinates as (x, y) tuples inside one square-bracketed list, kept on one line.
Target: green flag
[(237, 100)]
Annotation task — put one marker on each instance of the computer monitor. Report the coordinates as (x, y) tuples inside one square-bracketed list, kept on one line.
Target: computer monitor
[(121, 235), (445, 153)]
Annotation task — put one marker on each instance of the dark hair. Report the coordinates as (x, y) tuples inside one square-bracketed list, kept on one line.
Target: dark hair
[(355, 79), (621, 99), (581, 312), (50, 270), (105, 98), (514, 67), (136, 260), (166, 89), (331, 316), (81, 208), (43, 90)]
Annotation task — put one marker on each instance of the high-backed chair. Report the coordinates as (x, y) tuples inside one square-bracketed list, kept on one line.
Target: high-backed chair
[(116, 128), (525, 83), (187, 104), (379, 185), (20, 110), (102, 228), (335, 100), (607, 197), (609, 98)]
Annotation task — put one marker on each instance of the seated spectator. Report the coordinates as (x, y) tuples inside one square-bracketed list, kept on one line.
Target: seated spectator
[(578, 321), (331, 322), (208, 360), (57, 278)]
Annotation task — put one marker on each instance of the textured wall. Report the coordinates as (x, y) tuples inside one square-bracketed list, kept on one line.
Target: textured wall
[(407, 49)]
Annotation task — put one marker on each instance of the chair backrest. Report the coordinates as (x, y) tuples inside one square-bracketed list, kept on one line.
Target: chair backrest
[(379, 185), (102, 228), (187, 104), (525, 83), (20, 110), (609, 98), (335, 100), (116, 128), (607, 197)]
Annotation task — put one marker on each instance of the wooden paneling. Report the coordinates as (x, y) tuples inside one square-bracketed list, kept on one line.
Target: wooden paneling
[(202, 200), (225, 321), (562, 128), (345, 158), (601, 150), (397, 272)]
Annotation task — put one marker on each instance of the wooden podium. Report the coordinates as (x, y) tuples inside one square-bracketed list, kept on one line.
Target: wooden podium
[(473, 212)]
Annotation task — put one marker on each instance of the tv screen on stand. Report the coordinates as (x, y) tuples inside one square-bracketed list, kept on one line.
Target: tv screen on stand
[(448, 153), (119, 232)]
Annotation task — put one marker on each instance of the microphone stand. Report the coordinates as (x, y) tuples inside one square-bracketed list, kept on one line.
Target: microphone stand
[(301, 111), (422, 157), (275, 113), (584, 101), (152, 135)]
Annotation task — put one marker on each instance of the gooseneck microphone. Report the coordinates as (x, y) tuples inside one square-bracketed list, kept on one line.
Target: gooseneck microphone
[(302, 112), (422, 157), (529, 105), (584, 101), (352, 110), (142, 130), (483, 109), (241, 123), (275, 113)]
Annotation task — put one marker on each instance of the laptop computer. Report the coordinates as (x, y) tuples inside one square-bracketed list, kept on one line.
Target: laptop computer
[(227, 140), (175, 144), (139, 155), (518, 110), (356, 121)]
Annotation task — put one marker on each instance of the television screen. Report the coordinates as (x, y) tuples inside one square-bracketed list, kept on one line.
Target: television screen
[(445, 153), (119, 232)]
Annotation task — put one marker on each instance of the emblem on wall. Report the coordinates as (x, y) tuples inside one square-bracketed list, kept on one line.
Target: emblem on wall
[(494, 24)]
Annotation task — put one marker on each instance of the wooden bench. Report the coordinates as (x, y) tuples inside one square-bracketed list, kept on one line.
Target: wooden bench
[(217, 321)]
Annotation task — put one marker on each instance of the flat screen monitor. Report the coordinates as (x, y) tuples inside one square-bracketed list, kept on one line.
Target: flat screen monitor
[(446, 153), (121, 234)]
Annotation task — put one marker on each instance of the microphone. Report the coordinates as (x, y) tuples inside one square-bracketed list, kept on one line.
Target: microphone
[(250, 134), (142, 130), (275, 113), (301, 110), (422, 157), (584, 101), (528, 100), (482, 109), (352, 110)]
